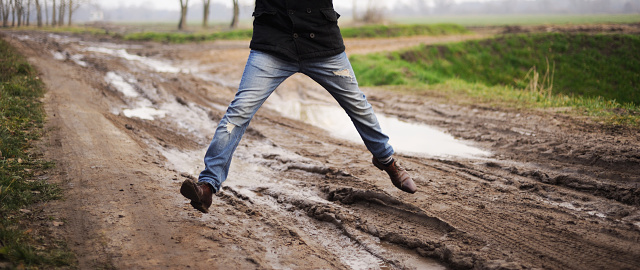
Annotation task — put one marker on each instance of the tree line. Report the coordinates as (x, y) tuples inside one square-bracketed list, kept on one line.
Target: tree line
[(184, 5), (15, 13), (372, 12)]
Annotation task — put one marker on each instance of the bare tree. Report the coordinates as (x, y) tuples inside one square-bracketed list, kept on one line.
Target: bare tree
[(46, 13), (73, 6), (236, 14), (38, 13), (17, 12), (12, 4), (53, 14), (62, 8), (2, 14), (205, 18), (28, 15), (183, 14)]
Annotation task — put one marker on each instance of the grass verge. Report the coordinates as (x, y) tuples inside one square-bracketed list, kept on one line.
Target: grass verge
[(65, 29), (521, 19), (180, 37), (21, 123), (370, 31), (597, 75), (386, 31)]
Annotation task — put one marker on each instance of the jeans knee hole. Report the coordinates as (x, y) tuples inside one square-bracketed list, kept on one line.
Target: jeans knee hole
[(343, 73), (230, 127)]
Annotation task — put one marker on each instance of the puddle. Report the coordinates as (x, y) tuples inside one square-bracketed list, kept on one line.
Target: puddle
[(405, 137), (63, 39), (189, 162), (146, 113), (217, 79), (191, 118), (153, 64), (58, 56), (122, 85), (23, 37), (77, 58)]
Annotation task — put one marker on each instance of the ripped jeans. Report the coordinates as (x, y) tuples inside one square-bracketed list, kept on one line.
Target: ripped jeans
[(262, 74)]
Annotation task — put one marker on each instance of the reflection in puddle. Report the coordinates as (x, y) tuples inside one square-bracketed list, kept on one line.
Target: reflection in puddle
[(405, 137)]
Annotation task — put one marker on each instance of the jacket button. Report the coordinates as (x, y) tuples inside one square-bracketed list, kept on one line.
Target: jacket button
[(308, 10), (295, 35), (312, 35)]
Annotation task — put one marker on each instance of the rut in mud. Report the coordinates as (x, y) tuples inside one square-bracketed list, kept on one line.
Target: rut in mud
[(128, 122)]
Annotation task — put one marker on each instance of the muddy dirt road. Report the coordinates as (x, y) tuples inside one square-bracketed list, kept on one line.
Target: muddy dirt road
[(498, 189)]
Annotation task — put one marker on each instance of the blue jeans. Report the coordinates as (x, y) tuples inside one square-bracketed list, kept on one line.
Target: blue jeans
[(262, 74)]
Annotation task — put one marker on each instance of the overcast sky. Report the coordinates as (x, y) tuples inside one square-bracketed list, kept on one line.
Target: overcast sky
[(175, 4), (158, 4)]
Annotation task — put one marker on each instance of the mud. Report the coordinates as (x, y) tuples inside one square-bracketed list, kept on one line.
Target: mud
[(128, 122)]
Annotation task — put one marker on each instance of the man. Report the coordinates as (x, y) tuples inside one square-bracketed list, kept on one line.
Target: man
[(291, 36)]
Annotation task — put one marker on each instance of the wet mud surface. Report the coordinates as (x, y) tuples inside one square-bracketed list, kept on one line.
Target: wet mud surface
[(128, 122)]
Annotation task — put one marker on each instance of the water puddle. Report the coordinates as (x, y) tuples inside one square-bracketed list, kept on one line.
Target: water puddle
[(63, 39), (121, 84), (145, 113), (77, 58), (405, 137), (153, 64), (58, 56), (189, 162)]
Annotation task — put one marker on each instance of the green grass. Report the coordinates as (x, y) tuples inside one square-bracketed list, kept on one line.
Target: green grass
[(370, 31), (21, 123), (384, 31), (65, 29), (181, 37), (521, 19), (589, 72)]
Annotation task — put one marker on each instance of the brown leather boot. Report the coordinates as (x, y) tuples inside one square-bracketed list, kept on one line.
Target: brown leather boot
[(200, 194), (399, 176)]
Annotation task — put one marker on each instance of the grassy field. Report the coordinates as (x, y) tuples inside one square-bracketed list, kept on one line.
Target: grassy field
[(21, 123), (521, 19), (369, 31), (385, 31), (599, 74), (180, 37)]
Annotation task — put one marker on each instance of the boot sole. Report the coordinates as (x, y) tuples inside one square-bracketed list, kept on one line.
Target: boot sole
[(188, 190)]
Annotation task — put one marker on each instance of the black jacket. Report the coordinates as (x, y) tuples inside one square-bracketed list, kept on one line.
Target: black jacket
[(296, 29)]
